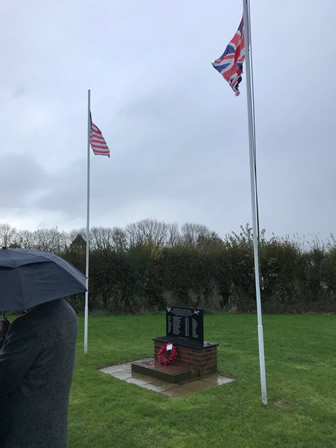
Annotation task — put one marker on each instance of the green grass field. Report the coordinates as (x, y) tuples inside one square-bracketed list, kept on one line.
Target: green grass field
[(301, 381)]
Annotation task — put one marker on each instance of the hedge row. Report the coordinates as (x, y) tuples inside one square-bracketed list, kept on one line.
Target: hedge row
[(214, 274)]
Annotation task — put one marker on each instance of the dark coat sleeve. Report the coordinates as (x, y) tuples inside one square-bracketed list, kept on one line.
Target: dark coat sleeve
[(20, 349), (5, 418)]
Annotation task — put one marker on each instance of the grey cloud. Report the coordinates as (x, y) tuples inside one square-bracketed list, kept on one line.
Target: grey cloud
[(178, 136), (21, 178), (66, 192)]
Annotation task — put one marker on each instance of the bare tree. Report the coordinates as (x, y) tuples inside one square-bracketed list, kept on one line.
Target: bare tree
[(191, 233), (50, 240), (7, 235), (119, 239), (25, 239), (101, 237), (173, 235), (133, 234), (147, 231)]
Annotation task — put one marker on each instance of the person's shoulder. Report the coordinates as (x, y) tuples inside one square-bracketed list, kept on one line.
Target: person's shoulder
[(68, 310), (21, 321), (62, 305), (57, 309), (23, 325)]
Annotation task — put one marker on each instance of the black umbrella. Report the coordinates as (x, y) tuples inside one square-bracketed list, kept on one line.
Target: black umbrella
[(31, 277)]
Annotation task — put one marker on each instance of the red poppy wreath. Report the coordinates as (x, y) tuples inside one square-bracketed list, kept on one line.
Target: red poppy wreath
[(165, 360)]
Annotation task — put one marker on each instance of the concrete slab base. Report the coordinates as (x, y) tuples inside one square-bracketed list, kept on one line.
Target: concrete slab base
[(124, 372)]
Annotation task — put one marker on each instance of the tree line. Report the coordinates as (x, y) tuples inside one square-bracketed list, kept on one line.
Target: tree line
[(150, 264)]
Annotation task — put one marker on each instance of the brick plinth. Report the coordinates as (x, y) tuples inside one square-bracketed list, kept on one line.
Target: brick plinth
[(202, 359)]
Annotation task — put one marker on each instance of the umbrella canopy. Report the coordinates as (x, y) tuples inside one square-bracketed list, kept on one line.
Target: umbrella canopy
[(30, 277)]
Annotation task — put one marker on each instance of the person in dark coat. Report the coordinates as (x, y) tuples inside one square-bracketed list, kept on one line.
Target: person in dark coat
[(4, 325), (36, 368)]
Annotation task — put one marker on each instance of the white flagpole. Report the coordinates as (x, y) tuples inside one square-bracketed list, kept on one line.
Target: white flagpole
[(86, 314), (252, 147)]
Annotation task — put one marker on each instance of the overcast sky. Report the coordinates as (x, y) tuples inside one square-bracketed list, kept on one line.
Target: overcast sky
[(178, 135)]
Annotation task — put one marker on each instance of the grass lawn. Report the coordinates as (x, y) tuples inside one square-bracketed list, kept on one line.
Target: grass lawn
[(301, 381)]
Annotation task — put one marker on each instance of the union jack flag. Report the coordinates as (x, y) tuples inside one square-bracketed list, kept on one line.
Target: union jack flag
[(97, 141), (230, 64)]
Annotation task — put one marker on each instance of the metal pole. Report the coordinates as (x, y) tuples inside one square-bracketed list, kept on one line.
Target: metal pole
[(86, 313), (252, 144)]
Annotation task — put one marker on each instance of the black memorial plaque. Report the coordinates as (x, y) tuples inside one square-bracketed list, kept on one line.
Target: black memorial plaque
[(185, 324)]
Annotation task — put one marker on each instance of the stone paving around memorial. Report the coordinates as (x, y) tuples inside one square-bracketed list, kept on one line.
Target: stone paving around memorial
[(124, 372)]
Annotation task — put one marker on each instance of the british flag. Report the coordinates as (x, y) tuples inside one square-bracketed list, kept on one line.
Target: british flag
[(230, 64)]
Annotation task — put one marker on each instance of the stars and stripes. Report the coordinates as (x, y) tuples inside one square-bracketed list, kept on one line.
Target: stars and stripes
[(230, 64), (97, 141)]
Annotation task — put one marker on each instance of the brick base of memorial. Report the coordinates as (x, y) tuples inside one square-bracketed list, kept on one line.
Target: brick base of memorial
[(191, 362)]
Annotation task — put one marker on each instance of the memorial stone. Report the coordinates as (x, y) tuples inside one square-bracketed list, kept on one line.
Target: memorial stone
[(195, 357), (185, 324)]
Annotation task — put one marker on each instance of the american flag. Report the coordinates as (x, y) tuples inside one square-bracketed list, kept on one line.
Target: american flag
[(97, 141), (230, 64)]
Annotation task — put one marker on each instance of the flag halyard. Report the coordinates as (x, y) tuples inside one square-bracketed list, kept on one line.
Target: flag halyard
[(230, 64)]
